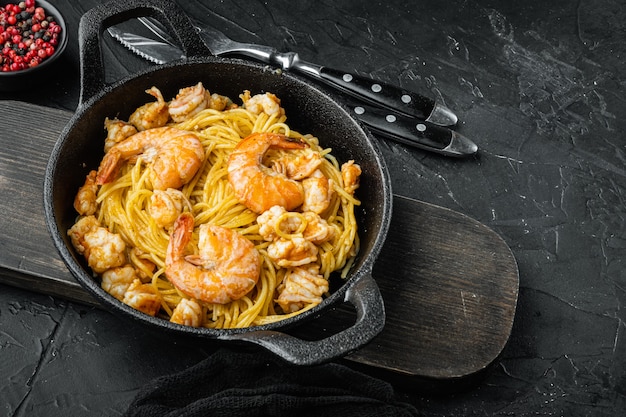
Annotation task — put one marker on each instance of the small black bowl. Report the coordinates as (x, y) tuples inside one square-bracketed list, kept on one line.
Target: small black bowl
[(27, 78)]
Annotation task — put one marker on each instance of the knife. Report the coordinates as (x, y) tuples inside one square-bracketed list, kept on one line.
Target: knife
[(412, 132), (395, 126)]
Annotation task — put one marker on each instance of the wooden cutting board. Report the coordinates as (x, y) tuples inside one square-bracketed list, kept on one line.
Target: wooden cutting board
[(449, 283)]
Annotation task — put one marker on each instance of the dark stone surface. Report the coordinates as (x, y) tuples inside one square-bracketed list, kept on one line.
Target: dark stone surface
[(539, 86)]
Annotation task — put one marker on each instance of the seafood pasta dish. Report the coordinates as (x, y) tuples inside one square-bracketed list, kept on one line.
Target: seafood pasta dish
[(210, 213)]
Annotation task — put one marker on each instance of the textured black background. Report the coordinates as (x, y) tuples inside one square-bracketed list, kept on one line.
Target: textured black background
[(539, 86)]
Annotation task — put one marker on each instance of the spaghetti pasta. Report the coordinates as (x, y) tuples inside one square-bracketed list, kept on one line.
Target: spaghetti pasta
[(126, 207)]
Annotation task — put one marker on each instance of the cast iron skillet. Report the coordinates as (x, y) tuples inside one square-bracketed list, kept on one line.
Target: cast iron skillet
[(80, 148)]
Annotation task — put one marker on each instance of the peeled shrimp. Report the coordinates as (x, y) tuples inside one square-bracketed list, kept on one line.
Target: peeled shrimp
[(317, 229), (117, 131), (296, 251), (144, 266), (188, 102), (318, 192), (301, 286), (166, 206), (175, 156), (85, 201), (277, 221), (151, 115), (256, 186), (188, 313), (116, 281), (350, 173), (226, 267), (221, 103), (298, 167), (143, 297), (266, 103), (102, 249)]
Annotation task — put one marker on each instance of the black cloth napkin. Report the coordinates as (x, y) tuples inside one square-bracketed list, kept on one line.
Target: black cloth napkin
[(234, 383)]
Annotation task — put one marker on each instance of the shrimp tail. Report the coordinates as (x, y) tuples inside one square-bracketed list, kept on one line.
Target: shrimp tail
[(196, 260), (180, 237), (107, 171), (85, 201), (285, 142)]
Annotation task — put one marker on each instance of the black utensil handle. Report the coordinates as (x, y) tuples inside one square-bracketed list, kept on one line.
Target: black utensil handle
[(364, 295), (96, 20), (413, 132), (376, 92), (410, 131)]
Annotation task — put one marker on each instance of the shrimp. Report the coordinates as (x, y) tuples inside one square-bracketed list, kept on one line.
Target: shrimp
[(144, 266), (292, 252), (188, 102), (318, 192), (226, 268), (143, 297), (267, 103), (298, 167), (188, 313), (274, 221), (301, 286), (311, 226), (85, 201), (256, 186), (175, 156), (78, 231), (317, 230), (102, 249), (350, 174), (151, 115), (166, 206), (116, 281), (221, 103), (117, 131)]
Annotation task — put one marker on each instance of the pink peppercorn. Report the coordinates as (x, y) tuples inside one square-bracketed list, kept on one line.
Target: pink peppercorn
[(27, 36)]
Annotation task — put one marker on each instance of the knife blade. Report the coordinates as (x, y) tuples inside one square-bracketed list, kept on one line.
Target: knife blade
[(154, 51), (395, 126), (365, 88)]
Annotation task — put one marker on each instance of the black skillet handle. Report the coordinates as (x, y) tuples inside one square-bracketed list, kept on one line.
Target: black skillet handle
[(96, 20), (364, 295)]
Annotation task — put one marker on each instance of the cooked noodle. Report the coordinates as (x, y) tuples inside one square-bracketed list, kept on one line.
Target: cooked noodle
[(124, 208)]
